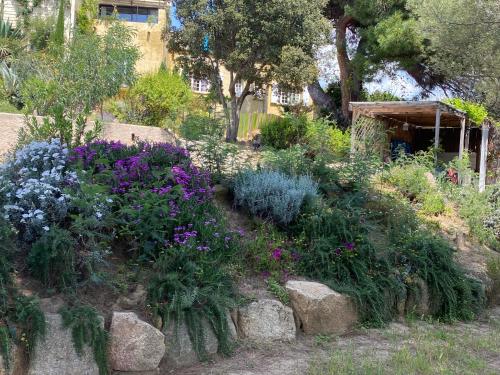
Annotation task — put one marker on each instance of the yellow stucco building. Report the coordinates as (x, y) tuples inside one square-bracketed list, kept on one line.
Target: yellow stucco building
[(149, 19)]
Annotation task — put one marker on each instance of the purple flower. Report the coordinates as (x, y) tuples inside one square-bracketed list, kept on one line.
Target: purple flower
[(338, 252), (277, 253), (349, 246), (295, 256), (266, 274)]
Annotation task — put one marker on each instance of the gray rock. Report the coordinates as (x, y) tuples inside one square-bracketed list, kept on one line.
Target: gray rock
[(56, 355), (266, 320), (418, 300), (320, 310), (180, 352), (134, 344)]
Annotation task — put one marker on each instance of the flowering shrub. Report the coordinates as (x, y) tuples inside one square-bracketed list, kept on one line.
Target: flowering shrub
[(33, 185), (273, 194)]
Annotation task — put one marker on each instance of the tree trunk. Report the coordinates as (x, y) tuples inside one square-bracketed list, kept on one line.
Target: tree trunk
[(343, 61), (232, 129), (320, 97)]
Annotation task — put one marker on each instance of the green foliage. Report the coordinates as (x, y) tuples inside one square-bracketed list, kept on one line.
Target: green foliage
[(462, 49), (41, 32), (52, 259), (59, 126), (323, 138), (453, 295), (85, 16), (278, 290), (87, 329), (159, 99), (71, 84), (433, 203), (5, 346), (291, 161), (380, 96), (188, 286), (31, 321), (476, 112), (216, 155), (269, 253), (345, 251), (284, 132), (58, 36), (479, 210), (195, 127), (412, 176)]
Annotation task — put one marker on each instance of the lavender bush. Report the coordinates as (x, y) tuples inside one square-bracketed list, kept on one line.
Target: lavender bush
[(274, 194)]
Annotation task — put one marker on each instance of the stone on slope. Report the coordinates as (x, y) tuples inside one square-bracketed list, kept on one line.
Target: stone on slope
[(56, 355), (321, 310), (266, 320), (134, 344), (180, 352)]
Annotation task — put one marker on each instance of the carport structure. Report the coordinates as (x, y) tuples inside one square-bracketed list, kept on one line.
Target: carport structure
[(420, 125)]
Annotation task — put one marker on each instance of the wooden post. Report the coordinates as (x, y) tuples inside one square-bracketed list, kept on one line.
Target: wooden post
[(355, 117), (484, 156), (437, 128), (462, 139)]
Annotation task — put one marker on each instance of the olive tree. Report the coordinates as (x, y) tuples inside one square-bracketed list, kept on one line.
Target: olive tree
[(69, 84), (257, 41)]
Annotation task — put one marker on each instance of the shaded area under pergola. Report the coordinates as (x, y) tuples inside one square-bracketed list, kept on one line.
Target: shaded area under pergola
[(413, 122)]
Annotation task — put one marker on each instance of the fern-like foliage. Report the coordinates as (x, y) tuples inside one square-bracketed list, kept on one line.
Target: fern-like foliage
[(31, 320), (86, 329), (184, 290)]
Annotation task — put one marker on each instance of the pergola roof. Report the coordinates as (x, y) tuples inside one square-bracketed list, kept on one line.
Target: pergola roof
[(418, 113)]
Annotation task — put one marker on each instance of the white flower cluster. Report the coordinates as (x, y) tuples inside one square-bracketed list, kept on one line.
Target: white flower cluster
[(32, 185)]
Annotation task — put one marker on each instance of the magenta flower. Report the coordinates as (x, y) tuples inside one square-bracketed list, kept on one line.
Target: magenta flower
[(277, 253)]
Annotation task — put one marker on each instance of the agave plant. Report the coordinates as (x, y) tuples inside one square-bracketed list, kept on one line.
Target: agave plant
[(7, 30), (10, 39)]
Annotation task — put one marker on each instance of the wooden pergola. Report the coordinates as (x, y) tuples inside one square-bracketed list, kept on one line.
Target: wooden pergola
[(425, 115)]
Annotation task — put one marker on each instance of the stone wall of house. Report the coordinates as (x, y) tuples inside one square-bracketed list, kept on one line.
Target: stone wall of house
[(10, 124)]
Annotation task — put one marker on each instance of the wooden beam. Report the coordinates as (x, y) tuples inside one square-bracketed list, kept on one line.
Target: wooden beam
[(437, 126), (484, 156), (462, 139)]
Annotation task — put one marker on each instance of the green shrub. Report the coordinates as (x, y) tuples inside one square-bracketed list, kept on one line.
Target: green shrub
[(453, 294), (159, 99), (374, 250), (291, 161), (216, 155), (284, 132), (323, 137), (410, 179), (30, 321), (52, 259), (433, 203), (41, 30), (87, 329), (195, 127), (273, 194)]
